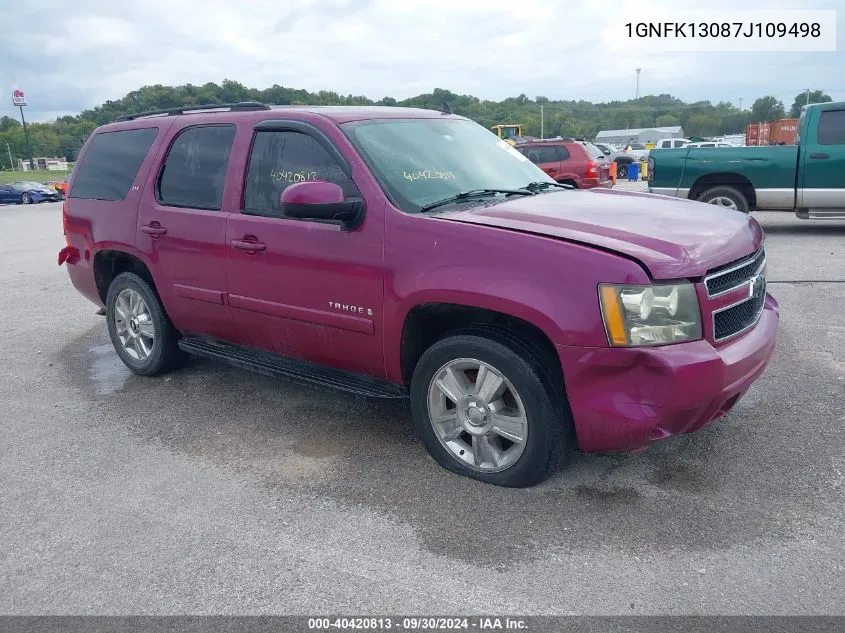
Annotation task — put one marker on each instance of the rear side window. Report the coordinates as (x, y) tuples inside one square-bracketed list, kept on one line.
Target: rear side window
[(666, 144), (281, 158), (111, 163), (832, 128), (194, 172)]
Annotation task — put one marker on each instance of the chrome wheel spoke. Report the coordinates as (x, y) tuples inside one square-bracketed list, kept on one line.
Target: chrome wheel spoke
[(510, 427), (453, 384), (449, 426), (489, 385), (146, 327), (483, 451)]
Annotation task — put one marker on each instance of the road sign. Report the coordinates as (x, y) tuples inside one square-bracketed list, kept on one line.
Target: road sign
[(18, 98)]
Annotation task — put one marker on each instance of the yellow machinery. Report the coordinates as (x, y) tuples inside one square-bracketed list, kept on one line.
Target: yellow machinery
[(507, 132)]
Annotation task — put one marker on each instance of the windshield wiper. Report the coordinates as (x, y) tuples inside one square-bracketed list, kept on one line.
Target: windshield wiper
[(540, 185), (474, 193)]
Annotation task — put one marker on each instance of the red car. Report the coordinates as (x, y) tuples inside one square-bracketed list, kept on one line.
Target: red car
[(577, 163), (406, 253)]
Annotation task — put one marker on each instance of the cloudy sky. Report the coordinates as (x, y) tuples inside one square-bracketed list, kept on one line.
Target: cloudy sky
[(68, 56)]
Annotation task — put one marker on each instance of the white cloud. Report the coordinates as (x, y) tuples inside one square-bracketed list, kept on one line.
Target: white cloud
[(101, 50)]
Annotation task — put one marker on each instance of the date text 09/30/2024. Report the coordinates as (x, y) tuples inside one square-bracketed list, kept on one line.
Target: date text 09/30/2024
[(482, 624)]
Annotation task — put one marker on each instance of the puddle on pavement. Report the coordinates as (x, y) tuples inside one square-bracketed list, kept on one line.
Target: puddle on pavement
[(106, 370)]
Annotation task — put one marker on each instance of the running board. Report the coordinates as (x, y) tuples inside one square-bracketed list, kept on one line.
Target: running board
[(299, 371), (821, 214)]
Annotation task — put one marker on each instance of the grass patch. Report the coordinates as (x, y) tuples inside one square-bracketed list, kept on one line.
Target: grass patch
[(39, 175)]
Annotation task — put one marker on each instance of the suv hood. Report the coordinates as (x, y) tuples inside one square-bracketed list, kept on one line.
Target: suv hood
[(672, 238)]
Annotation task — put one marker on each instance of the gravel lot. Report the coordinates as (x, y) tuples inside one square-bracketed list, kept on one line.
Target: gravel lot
[(214, 490)]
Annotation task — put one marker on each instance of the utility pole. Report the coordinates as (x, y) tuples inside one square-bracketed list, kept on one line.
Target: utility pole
[(542, 123), (638, 84), (740, 103), (26, 139), (11, 161), (808, 96)]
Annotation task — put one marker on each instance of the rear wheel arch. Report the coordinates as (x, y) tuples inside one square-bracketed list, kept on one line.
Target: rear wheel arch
[(108, 264), (725, 179)]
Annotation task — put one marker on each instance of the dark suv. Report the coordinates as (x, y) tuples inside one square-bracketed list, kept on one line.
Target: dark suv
[(577, 163), (407, 253)]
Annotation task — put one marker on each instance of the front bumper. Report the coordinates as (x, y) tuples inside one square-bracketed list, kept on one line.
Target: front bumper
[(627, 398)]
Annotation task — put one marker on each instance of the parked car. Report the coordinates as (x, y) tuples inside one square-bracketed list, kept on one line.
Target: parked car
[(406, 253), (577, 163), (708, 144), (670, 143), (27, 193), (805, 178), (624, 156)]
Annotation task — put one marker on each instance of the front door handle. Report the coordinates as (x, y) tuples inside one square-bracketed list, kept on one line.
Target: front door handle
[(819, 156), (154, 229), (249, 245)]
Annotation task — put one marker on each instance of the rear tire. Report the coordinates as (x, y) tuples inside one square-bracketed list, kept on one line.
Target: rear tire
[(510, 436), (725, 197), (621, 170), (140, 331)]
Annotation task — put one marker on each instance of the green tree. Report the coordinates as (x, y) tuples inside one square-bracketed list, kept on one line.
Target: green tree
[(801, 99), (767, 109), (667, 120)]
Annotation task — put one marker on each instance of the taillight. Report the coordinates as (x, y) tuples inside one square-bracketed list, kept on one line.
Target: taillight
[(650, 163), (592, 169), (66, 224)]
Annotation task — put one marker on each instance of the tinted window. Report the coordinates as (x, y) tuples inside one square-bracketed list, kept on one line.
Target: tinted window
[(547, 154), (666, 144), (832, 128), (111, 163), (282, 158), (194, 172)]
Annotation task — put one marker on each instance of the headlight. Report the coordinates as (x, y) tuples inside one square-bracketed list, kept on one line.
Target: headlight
[(650, 315)]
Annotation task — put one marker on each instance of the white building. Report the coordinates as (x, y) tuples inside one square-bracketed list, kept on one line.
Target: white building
[(639, 135)]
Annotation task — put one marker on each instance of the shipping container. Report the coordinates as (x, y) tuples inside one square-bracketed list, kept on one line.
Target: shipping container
[(784, 131), (781, 131)]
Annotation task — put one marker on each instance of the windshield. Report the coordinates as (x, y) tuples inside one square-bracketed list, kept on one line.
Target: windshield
[(420, 161)]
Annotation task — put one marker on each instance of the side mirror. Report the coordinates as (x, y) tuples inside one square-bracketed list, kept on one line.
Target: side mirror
[(322, 201)]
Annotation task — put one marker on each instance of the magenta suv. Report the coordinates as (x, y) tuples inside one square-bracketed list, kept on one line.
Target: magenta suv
[(407, 253)]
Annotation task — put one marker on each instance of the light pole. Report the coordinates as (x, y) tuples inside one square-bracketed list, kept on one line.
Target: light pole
[(542, 122), (740, 103), (638, 84)]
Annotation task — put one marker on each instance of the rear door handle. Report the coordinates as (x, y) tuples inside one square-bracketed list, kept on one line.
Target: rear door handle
[(249, 245), (819, 156), (154, 229)]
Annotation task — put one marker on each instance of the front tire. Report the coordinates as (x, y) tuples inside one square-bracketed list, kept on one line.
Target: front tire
[(725, 197), (485, 408), (26, 198), (140, 331)]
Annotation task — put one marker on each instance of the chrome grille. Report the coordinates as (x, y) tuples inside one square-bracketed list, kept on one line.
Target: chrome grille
[(741, 316), (734, 275)]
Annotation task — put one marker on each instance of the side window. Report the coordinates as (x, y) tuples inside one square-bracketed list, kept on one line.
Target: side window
[(111, 163), (194, 172), (563, 153), (282, 158), (547, 154), (665, 144), (832, 128)]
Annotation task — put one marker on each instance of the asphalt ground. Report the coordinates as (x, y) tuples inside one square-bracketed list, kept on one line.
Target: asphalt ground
[(215, 490)]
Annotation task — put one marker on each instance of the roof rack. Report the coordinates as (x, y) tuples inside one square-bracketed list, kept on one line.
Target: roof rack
[(241, 106)]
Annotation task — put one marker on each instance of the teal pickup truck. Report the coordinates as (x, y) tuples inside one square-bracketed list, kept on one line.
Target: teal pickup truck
[(807, 178)]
